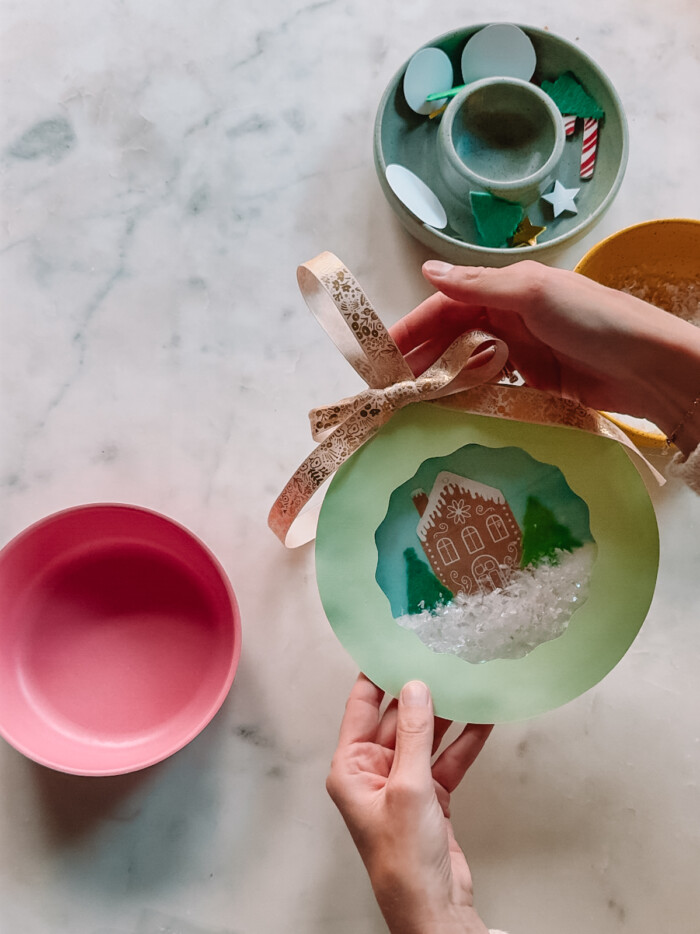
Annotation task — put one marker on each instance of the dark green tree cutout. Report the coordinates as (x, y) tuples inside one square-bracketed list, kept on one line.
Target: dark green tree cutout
[(496, 220), (571, 98), (543, 536), (423, 589)]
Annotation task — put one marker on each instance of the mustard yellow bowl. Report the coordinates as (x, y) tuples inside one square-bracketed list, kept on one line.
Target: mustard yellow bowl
[(657, 261)]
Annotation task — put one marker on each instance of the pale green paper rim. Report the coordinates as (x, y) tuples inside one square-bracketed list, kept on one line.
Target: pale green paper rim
[(622, 522)]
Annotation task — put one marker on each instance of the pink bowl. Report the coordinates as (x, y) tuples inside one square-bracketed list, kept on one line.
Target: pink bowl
[(119, 639)]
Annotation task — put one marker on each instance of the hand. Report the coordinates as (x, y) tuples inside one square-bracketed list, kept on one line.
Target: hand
[(397, 807), (567, 334)]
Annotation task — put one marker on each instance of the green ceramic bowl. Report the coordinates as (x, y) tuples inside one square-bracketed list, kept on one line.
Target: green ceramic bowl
[(409, 139)]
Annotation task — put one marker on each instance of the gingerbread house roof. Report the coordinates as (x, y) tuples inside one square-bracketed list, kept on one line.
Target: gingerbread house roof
[(449, 483)]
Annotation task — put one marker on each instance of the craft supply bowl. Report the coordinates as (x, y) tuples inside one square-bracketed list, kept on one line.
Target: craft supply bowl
[(409, 139), (653, 260), (503, 136), (119, 639)]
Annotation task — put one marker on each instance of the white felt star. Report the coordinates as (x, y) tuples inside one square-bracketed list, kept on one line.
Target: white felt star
[(562, 199)]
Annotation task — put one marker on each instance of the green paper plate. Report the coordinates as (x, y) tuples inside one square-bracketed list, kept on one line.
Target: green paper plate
[(621, 521)]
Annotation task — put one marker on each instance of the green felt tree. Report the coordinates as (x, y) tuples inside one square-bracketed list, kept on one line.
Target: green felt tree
[(543, 536), (496, 220), (571, 97), (423, 589)]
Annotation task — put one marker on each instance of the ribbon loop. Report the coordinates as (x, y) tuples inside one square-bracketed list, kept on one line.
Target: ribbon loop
[(343, 310)]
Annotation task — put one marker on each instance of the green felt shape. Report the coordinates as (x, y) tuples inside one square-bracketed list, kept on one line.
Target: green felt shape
[(424, 590), (496, 220), (622, 523), (571, 98), (543, 536)]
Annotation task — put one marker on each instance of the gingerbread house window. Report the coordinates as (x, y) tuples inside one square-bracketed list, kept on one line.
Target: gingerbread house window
[(472, 540), (447, 551), (497, 528)]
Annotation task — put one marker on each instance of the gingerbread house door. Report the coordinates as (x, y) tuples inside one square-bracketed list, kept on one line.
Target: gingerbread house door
[(487, 574)]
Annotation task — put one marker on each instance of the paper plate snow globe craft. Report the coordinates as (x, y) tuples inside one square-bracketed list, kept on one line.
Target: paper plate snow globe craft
[(499, 142), (495, 541)]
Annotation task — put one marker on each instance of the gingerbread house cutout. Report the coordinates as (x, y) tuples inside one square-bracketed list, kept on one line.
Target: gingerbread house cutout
[(468, 534)]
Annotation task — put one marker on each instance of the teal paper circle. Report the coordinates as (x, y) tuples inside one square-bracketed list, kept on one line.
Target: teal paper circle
[(622, 523)]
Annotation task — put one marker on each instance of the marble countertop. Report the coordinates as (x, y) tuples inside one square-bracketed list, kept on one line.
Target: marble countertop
[(165, 167)]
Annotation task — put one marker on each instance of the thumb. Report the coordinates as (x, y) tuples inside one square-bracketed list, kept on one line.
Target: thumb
[(502, 289), (414, 736)]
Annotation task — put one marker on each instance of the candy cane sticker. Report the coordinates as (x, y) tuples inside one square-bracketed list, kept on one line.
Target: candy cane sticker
[(590, 145), (569, 124)]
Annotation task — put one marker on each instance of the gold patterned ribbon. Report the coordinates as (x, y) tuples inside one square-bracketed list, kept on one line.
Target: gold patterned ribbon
[(462, 378)]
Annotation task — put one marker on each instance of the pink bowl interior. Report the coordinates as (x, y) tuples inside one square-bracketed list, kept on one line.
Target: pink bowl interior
[(119, 639)]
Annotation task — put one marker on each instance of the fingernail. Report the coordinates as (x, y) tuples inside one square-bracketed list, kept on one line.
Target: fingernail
[(437, 269), (415, 694)]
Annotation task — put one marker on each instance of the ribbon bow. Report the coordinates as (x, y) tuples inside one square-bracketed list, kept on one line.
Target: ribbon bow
[(473, 358), (472, 363)]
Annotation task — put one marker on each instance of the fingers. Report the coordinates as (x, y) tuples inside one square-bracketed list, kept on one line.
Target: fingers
[(424, 356), (443, 799), (359, 724), (437, 317), (414, 738), (451, 765), (441, 727), (515, 288), (386, 731), (500, 301)]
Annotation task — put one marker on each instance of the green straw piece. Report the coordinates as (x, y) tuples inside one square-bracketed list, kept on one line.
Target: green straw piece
[(441, 95)]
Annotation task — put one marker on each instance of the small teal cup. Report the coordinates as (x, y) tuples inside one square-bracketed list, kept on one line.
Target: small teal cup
[(503, 136)]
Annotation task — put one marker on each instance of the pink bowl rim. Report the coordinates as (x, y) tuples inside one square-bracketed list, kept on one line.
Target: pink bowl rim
[(214, 707)]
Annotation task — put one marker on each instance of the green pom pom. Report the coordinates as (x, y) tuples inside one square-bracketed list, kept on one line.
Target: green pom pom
[(571, 98), (496, 220)]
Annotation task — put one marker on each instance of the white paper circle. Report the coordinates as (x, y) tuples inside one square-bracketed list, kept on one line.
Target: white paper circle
[(500, 50), (428, 72), (416, 196)]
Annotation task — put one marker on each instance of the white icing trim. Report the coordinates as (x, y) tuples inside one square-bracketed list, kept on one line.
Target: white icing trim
[(469, 487)]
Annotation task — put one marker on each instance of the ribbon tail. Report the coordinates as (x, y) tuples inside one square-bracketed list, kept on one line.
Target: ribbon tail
[(524, 404), (322, 463)]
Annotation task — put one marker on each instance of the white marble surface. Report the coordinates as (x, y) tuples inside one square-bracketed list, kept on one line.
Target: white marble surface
[(165, 167)]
